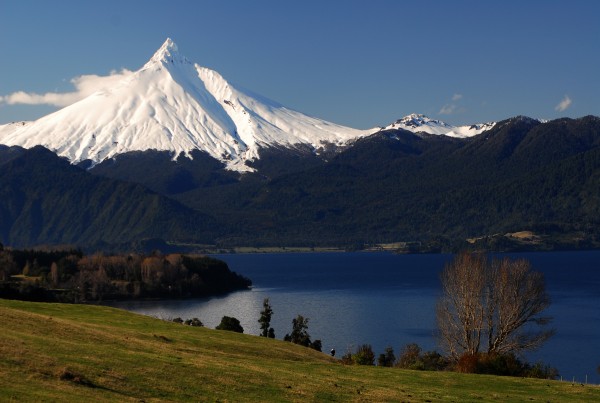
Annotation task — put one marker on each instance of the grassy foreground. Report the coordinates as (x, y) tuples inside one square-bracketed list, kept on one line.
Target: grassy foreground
[(56, 352)]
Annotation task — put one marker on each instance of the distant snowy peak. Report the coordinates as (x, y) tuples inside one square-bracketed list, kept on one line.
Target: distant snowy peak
[(171, 104), (418, 123)]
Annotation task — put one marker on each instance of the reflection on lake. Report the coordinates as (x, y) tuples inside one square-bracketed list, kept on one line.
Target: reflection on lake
[(389, 300)]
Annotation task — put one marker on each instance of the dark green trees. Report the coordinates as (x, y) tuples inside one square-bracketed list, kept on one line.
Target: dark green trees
[(231, 324), (300, 334), (66, 275), (194, 322), (387, 358), (265, 320)]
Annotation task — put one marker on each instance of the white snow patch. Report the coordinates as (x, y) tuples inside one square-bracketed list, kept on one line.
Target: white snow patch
[(418, 123)]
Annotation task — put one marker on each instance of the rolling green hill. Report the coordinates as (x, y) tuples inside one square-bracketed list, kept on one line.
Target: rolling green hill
[(55, 352)]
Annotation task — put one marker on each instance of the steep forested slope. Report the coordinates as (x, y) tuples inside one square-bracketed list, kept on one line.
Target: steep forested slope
[(392, 186), (46, 200), (398, 186)]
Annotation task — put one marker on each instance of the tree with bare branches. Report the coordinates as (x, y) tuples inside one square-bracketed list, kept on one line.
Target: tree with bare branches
[(491, 307)]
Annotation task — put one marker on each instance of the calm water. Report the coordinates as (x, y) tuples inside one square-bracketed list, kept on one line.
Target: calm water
[(389, 300)]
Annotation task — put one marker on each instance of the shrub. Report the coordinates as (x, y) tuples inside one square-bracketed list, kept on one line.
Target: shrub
[(412, 358), (409, 356), (195, 322), (364, 355), (316, 345), (434, 361), (542, 371), (347, 358), (503, 365), (467, 363), (499, 364), (387, 358), (231, 324)]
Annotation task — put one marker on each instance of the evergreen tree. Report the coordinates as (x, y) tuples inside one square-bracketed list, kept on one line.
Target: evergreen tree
[(265, 320), (299, 333)]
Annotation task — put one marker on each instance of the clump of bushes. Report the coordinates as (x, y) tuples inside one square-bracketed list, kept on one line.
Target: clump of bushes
[(364, 355), (387, 358), (189, 322), (412, 357), (231, 324), (503, 364), (300, 334)]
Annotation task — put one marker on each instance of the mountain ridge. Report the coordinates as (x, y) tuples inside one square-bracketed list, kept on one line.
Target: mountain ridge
[(171, 104), (394, 186), (174, 152), (419, 123), (400, 186)]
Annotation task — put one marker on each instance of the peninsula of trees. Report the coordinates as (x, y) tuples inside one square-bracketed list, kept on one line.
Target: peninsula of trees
[(70, 276)]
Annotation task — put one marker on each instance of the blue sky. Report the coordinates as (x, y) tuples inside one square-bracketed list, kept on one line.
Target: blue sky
[(357, 63)]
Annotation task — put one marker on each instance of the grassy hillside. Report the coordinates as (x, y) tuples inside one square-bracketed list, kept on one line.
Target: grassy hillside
[(51, 352)]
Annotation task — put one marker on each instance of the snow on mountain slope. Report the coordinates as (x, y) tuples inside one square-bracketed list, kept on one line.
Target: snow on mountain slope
[(418, 123), (174, 105)]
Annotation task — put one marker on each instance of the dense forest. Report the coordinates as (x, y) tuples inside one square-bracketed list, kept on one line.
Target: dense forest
[(70, 276), (432, 192), (425, 193), (44, 200)]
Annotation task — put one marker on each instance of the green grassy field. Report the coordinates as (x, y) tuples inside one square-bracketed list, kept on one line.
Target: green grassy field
[(56, 352)]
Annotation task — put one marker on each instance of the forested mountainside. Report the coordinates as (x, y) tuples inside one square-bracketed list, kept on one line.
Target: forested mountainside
[(46, 200), (431, 191)]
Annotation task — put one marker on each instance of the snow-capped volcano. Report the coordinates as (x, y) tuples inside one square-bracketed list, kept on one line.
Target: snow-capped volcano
[(418, 123), (172, 104)]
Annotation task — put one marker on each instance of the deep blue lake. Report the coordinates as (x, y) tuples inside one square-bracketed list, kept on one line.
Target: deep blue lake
[(389, 300)]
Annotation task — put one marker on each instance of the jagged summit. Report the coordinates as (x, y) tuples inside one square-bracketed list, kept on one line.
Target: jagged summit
[(173, 105), (419, 123), (167, 53)]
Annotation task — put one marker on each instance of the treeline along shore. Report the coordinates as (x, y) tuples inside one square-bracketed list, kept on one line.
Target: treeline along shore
[(70, 276)]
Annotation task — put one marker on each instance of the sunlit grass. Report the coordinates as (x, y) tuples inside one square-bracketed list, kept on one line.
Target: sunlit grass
[(55, 352)]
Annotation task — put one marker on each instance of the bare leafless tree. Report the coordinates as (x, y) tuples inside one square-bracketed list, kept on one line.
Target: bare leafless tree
[(491, 306), (460, 313)]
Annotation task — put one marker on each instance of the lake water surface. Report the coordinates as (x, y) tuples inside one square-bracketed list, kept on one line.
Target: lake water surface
[(389, 300)]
